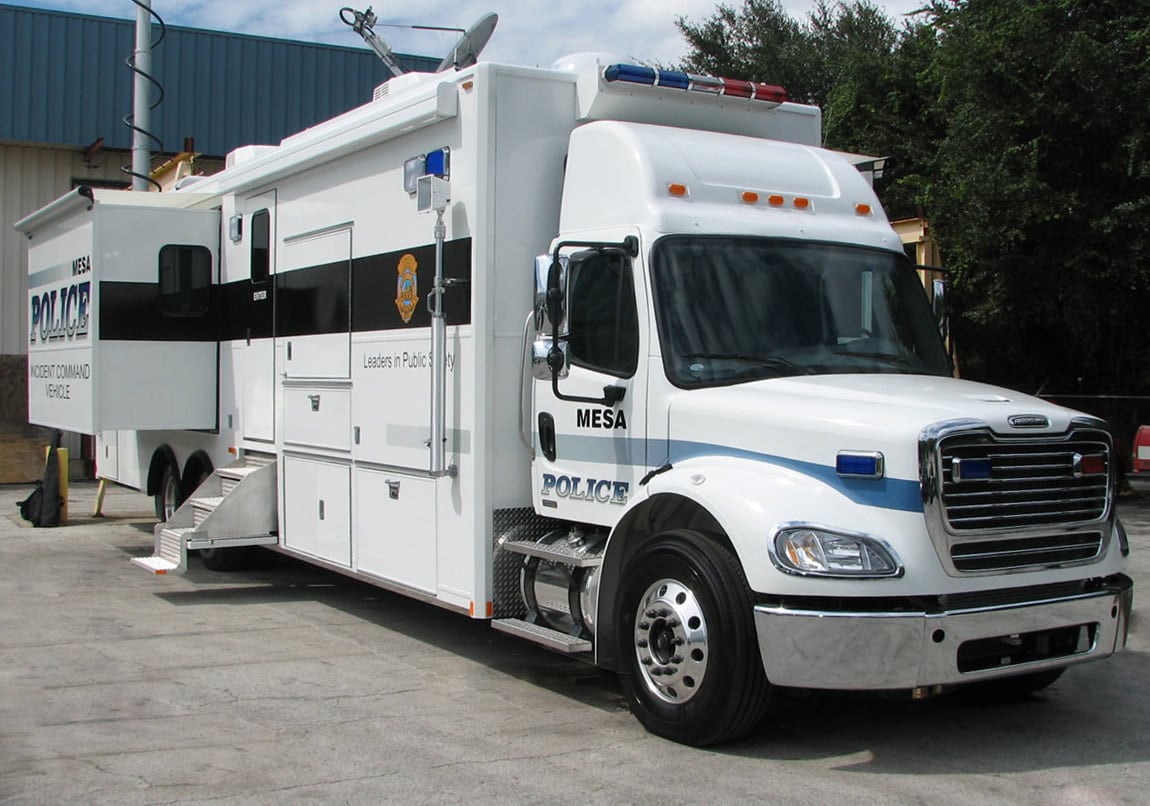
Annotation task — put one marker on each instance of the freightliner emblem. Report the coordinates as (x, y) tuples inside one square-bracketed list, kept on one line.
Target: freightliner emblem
[(1028, 421)]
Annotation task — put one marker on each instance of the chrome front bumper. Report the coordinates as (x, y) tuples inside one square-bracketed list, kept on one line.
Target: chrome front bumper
[(899, 650)]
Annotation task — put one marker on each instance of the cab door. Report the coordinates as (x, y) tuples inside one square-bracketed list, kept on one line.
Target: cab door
[(589, 424)]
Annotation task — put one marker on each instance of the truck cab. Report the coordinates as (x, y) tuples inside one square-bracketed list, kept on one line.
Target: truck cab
[(741, 393)]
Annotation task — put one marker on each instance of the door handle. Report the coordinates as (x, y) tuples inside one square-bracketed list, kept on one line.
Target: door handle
[(547, 435)]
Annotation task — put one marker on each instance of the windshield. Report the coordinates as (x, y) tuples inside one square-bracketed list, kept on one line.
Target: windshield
[(735, 309)]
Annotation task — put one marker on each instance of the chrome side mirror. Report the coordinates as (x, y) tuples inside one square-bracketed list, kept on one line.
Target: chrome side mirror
[(547, 309)]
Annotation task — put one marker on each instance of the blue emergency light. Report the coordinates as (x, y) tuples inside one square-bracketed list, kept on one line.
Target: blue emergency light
[(860, 465), (678, 80), (971, 469)]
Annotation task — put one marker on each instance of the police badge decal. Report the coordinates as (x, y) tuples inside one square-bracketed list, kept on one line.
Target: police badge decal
[(407, 288)]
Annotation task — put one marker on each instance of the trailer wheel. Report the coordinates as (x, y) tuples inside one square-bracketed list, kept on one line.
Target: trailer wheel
[(168, 497), (690, 664)]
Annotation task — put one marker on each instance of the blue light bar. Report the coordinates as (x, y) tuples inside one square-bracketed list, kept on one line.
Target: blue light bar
[(767, 94), (971, 469), (860, 465), (631, 73), (673, 79)]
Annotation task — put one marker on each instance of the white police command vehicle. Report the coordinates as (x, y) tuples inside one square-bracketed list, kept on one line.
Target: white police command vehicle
[(709, 439)]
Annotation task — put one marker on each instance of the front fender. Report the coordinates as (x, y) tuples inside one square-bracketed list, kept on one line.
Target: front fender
[(739, 501), (746, 500)]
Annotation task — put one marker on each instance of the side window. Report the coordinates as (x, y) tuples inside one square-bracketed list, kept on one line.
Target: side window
[(261, 246), (185, 280), (603, 323)]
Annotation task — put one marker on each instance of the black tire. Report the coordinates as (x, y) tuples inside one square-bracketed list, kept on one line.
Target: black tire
[(689, 656), (168, 495), (1010, 689)]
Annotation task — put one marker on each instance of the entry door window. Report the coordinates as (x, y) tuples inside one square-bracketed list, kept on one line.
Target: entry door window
[(261, 246)]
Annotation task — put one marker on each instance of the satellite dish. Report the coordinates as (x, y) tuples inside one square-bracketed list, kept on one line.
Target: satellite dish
[(467, 49)]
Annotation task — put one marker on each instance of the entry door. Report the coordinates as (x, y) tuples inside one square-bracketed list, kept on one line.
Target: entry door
[(259, 217), (589, 456)]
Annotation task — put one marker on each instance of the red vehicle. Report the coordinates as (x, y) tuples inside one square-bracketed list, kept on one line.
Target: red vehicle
[(1141, 452)]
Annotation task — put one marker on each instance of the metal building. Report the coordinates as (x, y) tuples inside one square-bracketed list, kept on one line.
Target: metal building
[(63, 96)]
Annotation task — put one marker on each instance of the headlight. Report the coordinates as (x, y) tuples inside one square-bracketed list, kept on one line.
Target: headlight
[(819, 552)]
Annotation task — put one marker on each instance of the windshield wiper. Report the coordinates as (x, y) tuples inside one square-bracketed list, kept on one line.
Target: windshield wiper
[(771, 361), (896, 360)]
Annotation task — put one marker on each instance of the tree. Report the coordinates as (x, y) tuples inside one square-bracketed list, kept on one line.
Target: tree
[(1040, 189), (848, 58)]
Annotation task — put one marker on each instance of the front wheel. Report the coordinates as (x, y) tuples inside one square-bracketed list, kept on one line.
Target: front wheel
[(690, 663)]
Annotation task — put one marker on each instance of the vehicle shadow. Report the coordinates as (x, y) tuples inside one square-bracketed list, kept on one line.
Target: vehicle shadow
[(1086, 718), (288, 580)]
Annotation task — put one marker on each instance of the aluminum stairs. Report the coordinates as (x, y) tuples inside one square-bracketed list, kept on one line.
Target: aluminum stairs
[(235, 506)]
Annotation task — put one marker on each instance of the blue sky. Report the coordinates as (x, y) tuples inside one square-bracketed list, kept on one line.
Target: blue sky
[(533, 32)]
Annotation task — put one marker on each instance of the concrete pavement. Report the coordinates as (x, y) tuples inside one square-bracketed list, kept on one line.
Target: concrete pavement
[(292, 684)]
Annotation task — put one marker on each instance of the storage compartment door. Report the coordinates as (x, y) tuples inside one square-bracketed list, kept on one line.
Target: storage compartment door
[(317, 508), (396, 527), (107, 456)]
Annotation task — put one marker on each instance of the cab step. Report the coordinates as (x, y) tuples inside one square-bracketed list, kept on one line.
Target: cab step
[(544, 636), (576, 555)]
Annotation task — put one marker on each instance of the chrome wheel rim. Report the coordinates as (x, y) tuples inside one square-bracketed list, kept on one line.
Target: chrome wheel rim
[(671, 641), (169, 497)]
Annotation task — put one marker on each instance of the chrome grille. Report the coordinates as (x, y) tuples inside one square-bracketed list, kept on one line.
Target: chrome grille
[(1000, 555), (1031, 482)]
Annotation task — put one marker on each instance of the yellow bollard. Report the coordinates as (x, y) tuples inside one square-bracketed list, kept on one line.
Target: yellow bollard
[(98, 512), (62, 458), (62, 455)]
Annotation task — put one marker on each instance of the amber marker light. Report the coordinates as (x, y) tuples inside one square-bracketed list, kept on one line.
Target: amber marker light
[(775, 201), (677, 189), (750, 197), (802, 203), (862, 209), (467, 85)]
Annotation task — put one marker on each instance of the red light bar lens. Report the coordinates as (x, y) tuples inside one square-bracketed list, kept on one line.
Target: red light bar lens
[(770, 92), (675, 79), (738, 89)]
